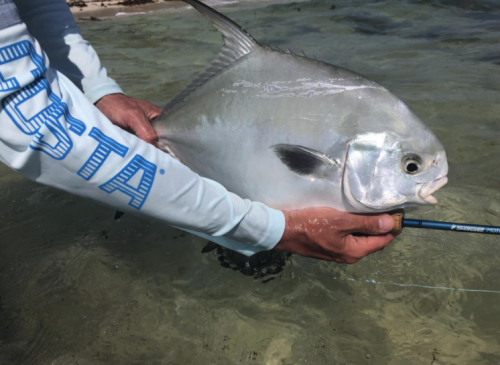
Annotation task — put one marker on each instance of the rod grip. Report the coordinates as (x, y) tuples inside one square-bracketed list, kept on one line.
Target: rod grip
[(398, 216)]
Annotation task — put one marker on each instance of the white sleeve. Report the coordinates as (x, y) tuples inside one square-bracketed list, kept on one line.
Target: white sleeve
[(53, 25), (52, 134)]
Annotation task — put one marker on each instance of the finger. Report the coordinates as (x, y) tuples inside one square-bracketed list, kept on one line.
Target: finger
[(152, 111), (348, 260), (359, 247), (368, 224), (142, 128), (155, 112)]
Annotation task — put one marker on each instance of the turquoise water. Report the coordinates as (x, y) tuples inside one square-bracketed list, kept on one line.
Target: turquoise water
[(77, 287)]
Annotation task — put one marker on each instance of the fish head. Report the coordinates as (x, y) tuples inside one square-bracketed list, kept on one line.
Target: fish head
[(385, 171)]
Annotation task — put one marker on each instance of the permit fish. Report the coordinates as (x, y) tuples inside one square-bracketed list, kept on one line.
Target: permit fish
[(292, 132)]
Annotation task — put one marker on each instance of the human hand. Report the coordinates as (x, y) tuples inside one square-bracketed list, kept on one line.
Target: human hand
[(132, 115), (327, 234)]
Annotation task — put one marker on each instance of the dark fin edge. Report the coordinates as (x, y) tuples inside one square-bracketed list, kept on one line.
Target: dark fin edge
[(209, 247), (118, 215), (304, 161)]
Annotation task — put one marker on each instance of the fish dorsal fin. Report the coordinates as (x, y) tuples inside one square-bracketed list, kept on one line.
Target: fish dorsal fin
[(237, 43), (305, 162)]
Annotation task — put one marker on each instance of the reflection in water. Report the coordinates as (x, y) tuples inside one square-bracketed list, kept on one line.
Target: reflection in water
[(78, 287)]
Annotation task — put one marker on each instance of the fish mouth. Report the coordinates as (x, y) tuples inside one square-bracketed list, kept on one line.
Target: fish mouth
[(426, 191)]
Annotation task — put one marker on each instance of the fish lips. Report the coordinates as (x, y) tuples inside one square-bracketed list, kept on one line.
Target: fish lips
[(426, 190)]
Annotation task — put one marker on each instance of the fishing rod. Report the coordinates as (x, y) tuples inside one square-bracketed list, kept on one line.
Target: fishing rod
[(401, 222)]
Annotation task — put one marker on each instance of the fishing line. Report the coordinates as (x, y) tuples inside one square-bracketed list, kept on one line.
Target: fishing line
[(400, 222), (371, 281)]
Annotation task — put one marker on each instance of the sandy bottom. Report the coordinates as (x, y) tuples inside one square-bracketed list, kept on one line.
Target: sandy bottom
[(77, 287)]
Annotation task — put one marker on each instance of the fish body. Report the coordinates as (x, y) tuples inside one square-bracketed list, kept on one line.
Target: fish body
[(293, 132)]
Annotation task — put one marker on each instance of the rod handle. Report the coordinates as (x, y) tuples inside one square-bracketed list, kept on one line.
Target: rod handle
[(398, 216)]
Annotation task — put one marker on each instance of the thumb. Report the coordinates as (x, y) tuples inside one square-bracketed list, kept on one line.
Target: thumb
[(142, 128), (152, 111), (370, 224)]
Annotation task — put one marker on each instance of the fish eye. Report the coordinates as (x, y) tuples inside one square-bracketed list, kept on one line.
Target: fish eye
[(411, 164)]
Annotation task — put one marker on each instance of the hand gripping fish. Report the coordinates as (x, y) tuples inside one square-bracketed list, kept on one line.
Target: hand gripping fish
[(293, 132)]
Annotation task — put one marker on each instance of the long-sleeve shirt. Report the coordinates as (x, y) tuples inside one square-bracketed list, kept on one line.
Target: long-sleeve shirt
[(51, 133), (53, 25)]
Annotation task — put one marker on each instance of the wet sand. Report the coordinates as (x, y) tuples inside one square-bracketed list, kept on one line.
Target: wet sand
[(97, 10)]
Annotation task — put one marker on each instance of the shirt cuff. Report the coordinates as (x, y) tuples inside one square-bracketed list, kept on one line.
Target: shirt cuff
[(275, 231), (101, 90)]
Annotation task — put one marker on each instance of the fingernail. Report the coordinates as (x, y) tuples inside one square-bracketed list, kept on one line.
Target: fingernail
[(386, 223)]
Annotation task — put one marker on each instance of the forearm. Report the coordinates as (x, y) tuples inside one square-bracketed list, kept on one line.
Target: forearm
[(52, 134), (59, 36)]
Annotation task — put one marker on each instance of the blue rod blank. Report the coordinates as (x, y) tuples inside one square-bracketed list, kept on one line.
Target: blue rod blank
[(446, 226)]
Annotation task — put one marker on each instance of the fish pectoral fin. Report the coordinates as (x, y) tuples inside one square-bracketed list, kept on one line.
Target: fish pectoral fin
[(237, 43), (305, 161)]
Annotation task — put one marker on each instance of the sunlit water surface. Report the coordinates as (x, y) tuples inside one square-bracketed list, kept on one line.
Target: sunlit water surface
[(77, 287)]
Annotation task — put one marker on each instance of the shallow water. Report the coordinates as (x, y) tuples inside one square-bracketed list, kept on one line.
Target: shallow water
[(77, 287)]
